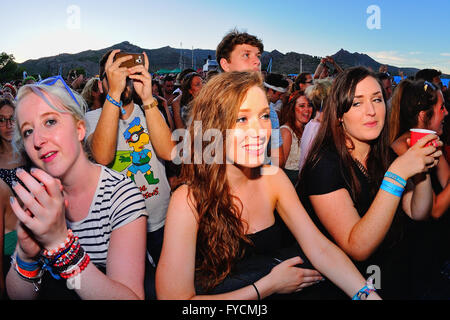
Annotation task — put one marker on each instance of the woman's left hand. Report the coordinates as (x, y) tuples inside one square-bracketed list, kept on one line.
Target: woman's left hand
[(44, 207)]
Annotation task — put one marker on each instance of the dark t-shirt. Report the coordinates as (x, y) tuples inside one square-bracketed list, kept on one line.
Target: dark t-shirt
[(391, 256)]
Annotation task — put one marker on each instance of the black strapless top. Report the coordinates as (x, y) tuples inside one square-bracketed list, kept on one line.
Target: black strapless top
[(266, 251), (266, 241)]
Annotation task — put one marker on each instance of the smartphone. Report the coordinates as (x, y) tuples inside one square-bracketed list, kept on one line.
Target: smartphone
[(138, 58)]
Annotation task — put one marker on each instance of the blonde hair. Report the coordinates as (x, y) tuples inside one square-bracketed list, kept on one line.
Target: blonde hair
[(87, 91), (318, 92), (60, 96)]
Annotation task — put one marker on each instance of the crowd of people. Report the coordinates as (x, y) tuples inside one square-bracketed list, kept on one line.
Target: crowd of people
[(274, 187)]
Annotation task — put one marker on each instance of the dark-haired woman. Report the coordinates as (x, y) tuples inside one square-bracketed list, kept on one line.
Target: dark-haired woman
[(162, 104), (297, 114), (352, 190), (10, 161), (421, 105), (191, 85), (224, 213)]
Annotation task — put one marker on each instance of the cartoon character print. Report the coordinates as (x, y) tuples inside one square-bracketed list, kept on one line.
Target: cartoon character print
[(137, 139)]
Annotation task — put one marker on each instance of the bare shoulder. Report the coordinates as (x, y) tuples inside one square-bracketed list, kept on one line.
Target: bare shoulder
[(276, 179), (273, 173), (180, 204)]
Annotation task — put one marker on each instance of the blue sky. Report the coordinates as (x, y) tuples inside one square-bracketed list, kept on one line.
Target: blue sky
[(411, 34)]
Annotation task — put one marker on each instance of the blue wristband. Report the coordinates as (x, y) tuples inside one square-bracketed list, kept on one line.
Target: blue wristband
[(28, 266), (363, 293), (366, 290), (392, 188), (395, 177), (117, 104)]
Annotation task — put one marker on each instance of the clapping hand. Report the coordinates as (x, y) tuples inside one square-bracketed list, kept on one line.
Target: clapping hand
[(42, 213)]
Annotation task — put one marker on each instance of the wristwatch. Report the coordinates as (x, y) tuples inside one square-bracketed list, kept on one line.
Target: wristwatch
[(151, 105)]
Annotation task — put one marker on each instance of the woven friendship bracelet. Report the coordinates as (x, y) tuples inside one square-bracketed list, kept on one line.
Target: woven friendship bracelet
[(27, 271)]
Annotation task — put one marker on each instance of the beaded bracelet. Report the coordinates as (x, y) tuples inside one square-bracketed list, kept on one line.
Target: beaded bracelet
[(117, 104), (392, 188), (395, 177), (67, 254), (83, 263), (63, 267), (67, 260), (54, 252)]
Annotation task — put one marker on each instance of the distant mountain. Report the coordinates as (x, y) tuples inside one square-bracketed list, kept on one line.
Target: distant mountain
[(346, 59), (169, 58), (162, 58)]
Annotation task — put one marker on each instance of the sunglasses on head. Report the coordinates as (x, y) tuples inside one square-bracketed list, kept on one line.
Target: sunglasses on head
[(52, 80), (427, 85)]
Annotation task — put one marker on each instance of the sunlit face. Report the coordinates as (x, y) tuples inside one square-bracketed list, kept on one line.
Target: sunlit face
[(6, 123), (440, 112), (303, 110), (244, 57), (247, 141), (51, 139), (196, 86), (364, 120)]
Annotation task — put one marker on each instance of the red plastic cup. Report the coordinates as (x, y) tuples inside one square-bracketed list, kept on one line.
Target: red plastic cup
[(417, 134)]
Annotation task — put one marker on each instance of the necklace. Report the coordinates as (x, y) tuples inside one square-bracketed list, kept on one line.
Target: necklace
[(362, 169)]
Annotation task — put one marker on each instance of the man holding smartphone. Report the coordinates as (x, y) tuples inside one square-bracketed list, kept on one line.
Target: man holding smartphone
[(133, 140)]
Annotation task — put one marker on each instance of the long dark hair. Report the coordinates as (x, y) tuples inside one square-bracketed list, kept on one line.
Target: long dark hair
[(186, 84), (288, 113), (332, 135), (409, 99)]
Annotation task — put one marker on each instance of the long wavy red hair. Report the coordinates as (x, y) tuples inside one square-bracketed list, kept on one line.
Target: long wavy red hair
[(221, 230)]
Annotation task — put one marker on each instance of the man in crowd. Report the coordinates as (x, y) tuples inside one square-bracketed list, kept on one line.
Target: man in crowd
[(387, 84), (168, 86), (430, 75), (303, 81), (133, 140), (276, 85)]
